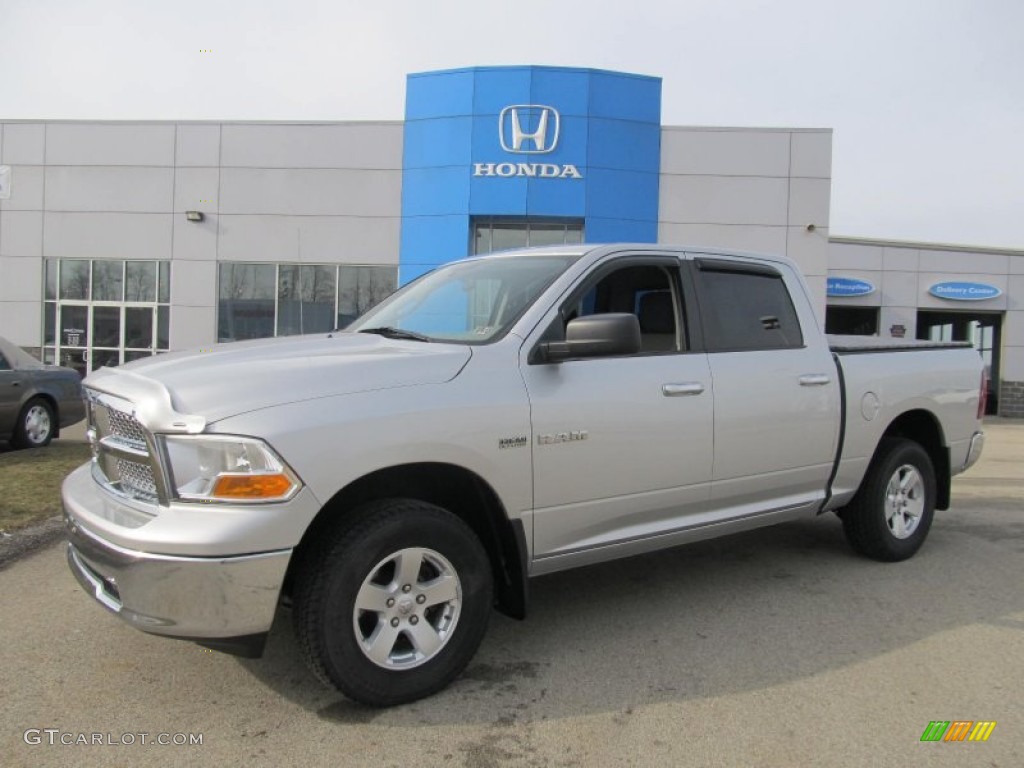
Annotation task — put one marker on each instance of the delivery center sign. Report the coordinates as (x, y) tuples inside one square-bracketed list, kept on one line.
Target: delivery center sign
[(528, 131), (962, 291)]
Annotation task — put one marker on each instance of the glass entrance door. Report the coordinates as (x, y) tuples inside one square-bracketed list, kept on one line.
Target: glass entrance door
[(92, 336), (104, 312)]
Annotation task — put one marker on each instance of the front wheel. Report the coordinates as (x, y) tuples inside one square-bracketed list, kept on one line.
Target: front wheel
[(891, 514), (34, 428), (393, 605)]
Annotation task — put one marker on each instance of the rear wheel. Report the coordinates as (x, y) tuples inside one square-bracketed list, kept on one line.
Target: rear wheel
[(34, 428), (393, 605), (891, 514)]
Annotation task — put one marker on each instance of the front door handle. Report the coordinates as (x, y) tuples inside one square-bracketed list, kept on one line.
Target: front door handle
[(682, 390), (814, 380)]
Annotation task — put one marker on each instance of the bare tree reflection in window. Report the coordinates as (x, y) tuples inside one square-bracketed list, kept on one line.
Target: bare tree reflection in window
[(361, 288), (74, 279), (140, 281), (107, 277), (246, 306)]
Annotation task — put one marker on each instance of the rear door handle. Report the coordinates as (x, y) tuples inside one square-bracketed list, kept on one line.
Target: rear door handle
[(814, 380), (682, 390)]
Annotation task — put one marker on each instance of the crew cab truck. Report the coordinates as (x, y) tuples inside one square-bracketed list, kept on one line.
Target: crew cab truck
[(499, 418)]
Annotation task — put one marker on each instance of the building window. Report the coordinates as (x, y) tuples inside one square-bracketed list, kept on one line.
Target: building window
[(246, 301), (262, 300), (104, 312), (851, 321), (100, 312), (499, 233)]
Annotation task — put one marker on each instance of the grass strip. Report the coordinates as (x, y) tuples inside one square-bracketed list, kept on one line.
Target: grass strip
[(30, 482)]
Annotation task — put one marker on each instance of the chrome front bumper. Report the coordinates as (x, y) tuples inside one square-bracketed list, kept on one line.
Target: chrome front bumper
[(227, 602)]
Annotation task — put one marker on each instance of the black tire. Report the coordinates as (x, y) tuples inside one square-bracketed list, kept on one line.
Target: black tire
[(367, 553), (891, 514), (35, 425)]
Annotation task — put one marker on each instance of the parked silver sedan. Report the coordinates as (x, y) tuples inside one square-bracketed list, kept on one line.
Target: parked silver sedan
[(36, 400)]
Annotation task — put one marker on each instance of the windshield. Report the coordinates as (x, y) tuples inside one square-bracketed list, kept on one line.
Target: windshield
[(469, 301)]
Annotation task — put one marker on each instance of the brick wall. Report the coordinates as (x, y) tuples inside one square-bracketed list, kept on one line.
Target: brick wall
[(1011, 399)]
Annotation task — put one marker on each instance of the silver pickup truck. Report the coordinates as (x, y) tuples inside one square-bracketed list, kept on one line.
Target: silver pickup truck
[(499, 418)]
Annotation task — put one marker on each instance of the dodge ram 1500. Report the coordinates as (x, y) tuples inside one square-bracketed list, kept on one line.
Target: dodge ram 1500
[(498, 418)]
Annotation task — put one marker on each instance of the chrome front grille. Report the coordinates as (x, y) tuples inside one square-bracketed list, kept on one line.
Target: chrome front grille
[(125, 427), (138, 477), (122, 449)]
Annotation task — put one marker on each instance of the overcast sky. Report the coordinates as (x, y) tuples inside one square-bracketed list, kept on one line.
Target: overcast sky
[(926, 97)]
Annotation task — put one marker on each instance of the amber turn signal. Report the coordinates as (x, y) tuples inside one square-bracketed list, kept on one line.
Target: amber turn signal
[(270, 486)]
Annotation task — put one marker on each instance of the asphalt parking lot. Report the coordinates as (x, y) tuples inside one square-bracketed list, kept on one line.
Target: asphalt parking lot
[(773, 648)]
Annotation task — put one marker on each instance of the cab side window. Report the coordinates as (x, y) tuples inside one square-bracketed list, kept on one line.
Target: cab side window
[(647, 291), (747, 310)]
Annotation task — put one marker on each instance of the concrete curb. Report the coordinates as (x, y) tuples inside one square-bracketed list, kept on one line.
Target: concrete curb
[(25, 541)]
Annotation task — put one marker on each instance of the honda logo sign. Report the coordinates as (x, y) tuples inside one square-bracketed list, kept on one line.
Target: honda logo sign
[(528, 129)]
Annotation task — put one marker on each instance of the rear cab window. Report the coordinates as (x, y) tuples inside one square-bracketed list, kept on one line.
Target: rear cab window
[(745, 307)]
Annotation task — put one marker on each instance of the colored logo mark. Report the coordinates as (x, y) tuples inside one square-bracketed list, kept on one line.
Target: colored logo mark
[(958, 730)]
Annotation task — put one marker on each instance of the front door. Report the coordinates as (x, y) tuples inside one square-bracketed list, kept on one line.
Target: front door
[(621, 445)]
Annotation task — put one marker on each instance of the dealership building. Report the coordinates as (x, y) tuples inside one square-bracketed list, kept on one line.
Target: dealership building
[(119, 240)]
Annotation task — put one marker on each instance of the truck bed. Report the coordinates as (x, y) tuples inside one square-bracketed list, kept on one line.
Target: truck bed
[(854, 345)]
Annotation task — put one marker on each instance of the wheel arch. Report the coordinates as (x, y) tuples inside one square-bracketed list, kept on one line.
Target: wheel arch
[(924, 428), (456, 489)]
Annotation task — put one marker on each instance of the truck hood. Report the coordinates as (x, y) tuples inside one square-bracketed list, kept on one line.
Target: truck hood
[(227, 379)]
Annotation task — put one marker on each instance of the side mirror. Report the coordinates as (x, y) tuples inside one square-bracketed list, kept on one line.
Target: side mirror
[(607, 335)]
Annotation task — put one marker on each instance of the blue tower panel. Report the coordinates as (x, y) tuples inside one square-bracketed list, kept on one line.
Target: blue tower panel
[(622, 194), (625, 97), (429, 241), (435, 191), (467, 155), (496, 196), (439, 94), (624, 145), (565, 198), (566, 89), (437, 141), (600, 230), (498, 87)]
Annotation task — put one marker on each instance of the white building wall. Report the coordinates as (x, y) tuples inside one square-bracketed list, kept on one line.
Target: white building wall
[(750, 189), (283, 192), (21, 233)]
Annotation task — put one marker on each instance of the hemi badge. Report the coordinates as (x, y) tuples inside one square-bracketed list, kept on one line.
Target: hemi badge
[(513, 442)]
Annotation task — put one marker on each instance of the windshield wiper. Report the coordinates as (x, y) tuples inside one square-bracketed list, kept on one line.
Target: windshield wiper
[(391, 332)]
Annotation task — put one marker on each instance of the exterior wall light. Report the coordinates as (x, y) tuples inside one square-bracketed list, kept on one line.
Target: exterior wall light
[(194, 215)]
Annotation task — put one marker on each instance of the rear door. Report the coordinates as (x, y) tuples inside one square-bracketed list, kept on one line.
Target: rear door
[(776, 389), (621, 445)]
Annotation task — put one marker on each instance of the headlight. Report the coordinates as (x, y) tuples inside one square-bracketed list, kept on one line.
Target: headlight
[(215, 468)]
